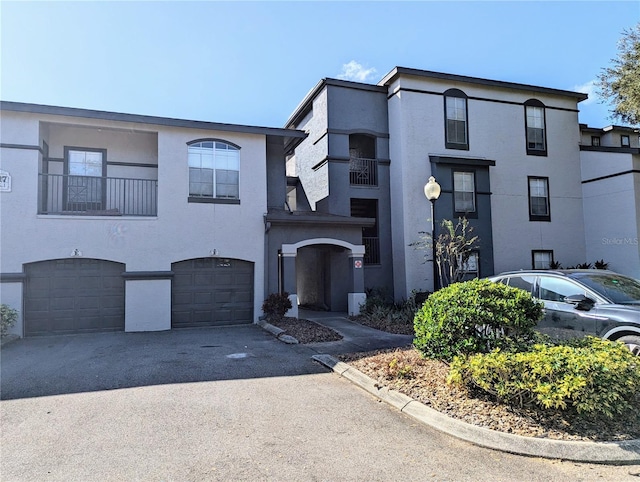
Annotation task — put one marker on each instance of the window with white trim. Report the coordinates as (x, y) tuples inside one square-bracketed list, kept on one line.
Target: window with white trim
[(464, 192), (535, 128), (539, 209), (214, 170)]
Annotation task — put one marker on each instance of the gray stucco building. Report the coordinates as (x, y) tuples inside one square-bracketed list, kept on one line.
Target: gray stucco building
[(127, 222)]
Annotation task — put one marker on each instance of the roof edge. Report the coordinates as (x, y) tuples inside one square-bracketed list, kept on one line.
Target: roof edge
[(302, 107), (397, 71), (146, 119)]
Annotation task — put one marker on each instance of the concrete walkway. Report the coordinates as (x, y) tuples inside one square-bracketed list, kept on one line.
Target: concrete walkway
[(356, 337)]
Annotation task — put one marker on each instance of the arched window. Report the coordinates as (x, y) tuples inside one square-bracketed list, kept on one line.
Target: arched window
[(214, 170), (456, 126), (535, 126)]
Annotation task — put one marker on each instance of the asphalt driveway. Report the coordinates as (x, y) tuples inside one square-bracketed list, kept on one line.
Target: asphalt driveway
[(227, 403)]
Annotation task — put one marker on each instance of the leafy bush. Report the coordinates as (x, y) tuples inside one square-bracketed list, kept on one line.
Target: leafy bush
[(475, 317), (380, 312), (398, 369), (8, 317), (591, 375), (276, 305)]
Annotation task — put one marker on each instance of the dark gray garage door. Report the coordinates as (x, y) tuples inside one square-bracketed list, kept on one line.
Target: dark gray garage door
[(211, 291), (73, 295)]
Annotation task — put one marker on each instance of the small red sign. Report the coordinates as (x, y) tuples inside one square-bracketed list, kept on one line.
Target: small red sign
[(357, 263)]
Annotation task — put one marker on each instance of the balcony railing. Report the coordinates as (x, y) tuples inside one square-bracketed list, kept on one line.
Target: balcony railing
[(371, 250), (97, 196), (363, 172)]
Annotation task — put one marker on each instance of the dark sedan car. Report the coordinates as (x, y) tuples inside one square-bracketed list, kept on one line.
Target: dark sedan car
[(583, 302)]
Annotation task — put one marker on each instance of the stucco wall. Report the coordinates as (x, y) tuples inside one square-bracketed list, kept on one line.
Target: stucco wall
[(181, 230), (611, 197), (496, 132), (313, 150)]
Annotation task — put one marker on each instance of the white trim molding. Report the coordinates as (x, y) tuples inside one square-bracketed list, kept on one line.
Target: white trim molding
[(291, 249)]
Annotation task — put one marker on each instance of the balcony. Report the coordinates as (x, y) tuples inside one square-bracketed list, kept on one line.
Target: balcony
[(96, 196), (371, 250), (363, 172)]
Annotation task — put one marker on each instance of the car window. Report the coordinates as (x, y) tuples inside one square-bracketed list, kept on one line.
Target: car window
[(556, 289), (522, 282), (617, 288)]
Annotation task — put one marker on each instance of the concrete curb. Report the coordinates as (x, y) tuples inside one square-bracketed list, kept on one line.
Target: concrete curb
[(614, 453), (279, 333)]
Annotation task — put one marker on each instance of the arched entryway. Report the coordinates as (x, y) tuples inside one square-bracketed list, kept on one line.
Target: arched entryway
[(325, 273)]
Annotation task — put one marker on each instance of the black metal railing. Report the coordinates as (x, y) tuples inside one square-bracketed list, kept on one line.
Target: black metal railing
[(371, 250), (363, 172), (97, 196)]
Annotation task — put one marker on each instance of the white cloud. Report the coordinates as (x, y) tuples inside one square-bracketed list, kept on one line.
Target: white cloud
[(356, 71), (587, 88)]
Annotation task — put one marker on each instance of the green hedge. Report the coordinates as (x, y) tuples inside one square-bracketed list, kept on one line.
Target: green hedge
[(475, 316), (8, 317), (592, 376)]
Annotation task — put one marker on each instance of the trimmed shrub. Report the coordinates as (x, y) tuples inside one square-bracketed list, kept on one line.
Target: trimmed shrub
[(595, 377), (475, 316), (276, 305), (8, 317)]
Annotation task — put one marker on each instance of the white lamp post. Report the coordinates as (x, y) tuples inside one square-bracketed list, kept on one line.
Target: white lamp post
[(432, 193)]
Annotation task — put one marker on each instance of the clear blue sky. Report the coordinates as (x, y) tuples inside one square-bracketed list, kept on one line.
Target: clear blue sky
[(252, 63)]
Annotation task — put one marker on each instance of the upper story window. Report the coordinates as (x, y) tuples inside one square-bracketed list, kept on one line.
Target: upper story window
[(464, 192), (624, 141), (539, 209), (214, 171), (595, 141), (535, 127), (456, 125)]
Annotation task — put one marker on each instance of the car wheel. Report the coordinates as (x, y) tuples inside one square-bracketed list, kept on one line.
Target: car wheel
[(632, 342)]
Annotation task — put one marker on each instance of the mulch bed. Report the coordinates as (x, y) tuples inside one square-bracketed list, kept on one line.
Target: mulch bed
[(406, 371), (384, 324), (306, 331)]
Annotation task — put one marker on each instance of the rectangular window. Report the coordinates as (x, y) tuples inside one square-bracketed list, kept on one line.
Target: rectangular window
[(84, 186), (539, 209), (456, 123), (536, 144), (624, 141), (471, 267), (542, 259), (595, 141), (464, 192)]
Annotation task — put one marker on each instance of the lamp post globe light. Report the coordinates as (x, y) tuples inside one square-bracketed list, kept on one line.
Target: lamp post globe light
[(432, 193)]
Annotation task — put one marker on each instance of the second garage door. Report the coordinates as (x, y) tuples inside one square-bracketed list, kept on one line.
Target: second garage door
[(211, 292)]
